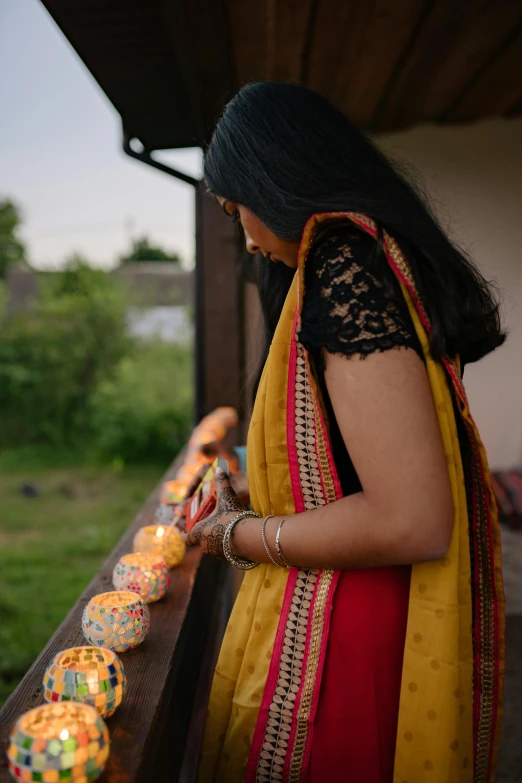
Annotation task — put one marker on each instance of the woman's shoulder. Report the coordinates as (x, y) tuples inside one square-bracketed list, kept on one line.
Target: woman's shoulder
[(353, 303)]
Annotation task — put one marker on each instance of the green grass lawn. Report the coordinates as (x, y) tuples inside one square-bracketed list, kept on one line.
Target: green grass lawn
[(52, 545)]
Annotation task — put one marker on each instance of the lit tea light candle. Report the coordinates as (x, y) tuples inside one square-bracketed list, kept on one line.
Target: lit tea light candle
[(92, 675), (173, 492), (59, 742), (144, 573), (118, 620), (161, 540)]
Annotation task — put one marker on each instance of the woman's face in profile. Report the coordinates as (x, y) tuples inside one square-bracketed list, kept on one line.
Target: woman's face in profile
[(259, 238)]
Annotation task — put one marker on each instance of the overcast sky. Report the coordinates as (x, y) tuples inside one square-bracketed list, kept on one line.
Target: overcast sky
[(61, 159)]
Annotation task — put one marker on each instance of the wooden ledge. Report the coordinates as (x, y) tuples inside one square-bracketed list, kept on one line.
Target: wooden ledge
[(156, 732)]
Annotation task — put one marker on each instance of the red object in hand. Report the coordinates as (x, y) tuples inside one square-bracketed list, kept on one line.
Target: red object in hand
[(203, 501)]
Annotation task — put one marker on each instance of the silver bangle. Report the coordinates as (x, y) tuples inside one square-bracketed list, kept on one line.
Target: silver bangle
[(238, 562), (278, 544), (265, 542)]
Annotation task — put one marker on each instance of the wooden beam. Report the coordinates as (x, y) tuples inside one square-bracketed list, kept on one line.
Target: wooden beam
[(219, 301), (516, 109), (329, 42), (438, 34), (249, 26), (270, 38), (289, 30), (370, 50), (126, 47), (497, 89), (489, 24), (202, 46)]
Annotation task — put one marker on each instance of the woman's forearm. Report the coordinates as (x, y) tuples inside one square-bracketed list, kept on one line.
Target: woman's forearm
[(349, 533)]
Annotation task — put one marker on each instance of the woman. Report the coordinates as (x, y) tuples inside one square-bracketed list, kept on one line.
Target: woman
[(377, 654)]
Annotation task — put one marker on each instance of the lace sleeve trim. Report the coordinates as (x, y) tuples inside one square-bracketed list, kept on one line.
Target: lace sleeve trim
[(347, 310)]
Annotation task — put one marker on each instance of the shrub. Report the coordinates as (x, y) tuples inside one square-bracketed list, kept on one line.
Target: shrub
[(71, 377), (144, 412), (53, 358)]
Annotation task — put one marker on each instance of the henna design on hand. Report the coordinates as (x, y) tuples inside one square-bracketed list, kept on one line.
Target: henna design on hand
[(196, 534), (215, 541), (229, 502), (209, 533)]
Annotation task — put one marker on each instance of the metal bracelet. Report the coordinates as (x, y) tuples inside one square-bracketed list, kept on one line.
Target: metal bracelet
[(278, 544), (265, 542), (238, 562)]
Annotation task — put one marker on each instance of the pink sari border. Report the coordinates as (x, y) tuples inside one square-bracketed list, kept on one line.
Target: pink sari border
[(271, 681), (320, 667)]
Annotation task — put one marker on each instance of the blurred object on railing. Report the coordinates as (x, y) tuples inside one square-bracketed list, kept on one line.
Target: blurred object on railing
[(507, 486), (161, 540), (208, 441), (156, 733)]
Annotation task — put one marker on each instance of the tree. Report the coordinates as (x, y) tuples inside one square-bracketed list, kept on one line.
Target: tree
[(143, 250), (53, 358), (12, 249)]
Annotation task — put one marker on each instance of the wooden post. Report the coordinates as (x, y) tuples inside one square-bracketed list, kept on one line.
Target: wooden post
[(219, 311)]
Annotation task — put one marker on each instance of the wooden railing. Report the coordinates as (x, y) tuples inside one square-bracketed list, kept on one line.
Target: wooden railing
[(156, 732)]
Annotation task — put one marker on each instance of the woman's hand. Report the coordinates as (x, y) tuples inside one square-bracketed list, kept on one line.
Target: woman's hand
[(209, 532), (239, 483)]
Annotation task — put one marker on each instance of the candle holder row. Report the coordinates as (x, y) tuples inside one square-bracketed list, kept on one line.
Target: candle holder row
[(67, 739)]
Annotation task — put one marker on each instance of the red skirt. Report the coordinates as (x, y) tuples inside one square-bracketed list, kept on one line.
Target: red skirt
[(355, 727)]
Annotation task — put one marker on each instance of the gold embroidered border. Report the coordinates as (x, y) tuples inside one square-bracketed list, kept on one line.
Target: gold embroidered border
[(323, 461), (309, 435), (281, 710), (306, 433), (314, 652)]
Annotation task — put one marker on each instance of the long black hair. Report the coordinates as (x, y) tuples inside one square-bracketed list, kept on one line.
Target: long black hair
[(286, 153)]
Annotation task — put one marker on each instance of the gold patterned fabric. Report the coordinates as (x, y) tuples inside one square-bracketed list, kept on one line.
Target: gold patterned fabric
[(269, 671)]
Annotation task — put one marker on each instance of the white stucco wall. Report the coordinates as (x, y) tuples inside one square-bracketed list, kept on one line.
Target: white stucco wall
[(475, 174)]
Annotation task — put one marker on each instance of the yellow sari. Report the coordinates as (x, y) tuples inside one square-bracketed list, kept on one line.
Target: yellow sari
[(268, 675)]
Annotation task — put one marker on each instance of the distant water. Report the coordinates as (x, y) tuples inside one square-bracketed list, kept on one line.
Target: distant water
[(171, 324)]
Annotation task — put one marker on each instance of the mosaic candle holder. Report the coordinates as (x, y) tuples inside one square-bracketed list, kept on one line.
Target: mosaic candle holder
[(59, 742), (173, 492), (91, 675), (144, 573), (119, 620), (160, 540)]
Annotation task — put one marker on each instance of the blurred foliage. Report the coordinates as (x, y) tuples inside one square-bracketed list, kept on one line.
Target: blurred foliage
[(12, 249), (71, 376), (144, 412), (53, 358), (79, 401), (143, 250)]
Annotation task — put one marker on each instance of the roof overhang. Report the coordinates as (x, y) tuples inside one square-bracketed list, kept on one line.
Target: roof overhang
[(168, 66)]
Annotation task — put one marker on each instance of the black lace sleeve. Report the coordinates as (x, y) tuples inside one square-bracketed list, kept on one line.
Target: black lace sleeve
[(347, 308)]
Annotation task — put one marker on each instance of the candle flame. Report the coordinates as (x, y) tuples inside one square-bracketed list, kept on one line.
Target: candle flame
[(92, 682), (64, 734), (160, 532)]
